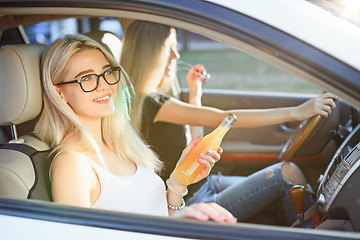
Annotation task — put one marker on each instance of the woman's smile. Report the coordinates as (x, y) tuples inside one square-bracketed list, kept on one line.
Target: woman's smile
[(105, 99)]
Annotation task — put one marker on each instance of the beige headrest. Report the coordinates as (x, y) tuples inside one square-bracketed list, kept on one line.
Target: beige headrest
[(20, 85), (109, 40)]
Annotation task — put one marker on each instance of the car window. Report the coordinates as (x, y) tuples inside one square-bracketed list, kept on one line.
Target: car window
[(46, 32), (233, 69), (230, 69)]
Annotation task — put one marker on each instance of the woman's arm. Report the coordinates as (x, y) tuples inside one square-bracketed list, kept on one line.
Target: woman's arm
[(199, 211), (193, 79), (175, 111), (176, 188), (173, 198), (72, 180)]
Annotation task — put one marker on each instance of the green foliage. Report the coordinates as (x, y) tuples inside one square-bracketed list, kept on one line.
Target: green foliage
[(231, 69)]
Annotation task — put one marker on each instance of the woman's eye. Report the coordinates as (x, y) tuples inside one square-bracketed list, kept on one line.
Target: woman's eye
[(108, 72), (85, 78)]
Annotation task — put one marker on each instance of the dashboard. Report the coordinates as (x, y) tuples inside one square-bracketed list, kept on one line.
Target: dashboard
[(338, 194)]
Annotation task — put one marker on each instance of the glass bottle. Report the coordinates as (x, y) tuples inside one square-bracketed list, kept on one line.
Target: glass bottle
[(189, 168)]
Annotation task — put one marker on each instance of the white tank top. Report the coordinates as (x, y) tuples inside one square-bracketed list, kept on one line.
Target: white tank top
[(143, 192)]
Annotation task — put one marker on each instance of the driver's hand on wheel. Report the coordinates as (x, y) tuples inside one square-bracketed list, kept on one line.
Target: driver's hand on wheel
[(322, 105)]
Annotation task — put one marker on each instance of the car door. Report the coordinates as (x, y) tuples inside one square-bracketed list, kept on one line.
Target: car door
[(239, 81)]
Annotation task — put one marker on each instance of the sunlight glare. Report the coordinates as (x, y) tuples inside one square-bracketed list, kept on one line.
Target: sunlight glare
[(352, 5)]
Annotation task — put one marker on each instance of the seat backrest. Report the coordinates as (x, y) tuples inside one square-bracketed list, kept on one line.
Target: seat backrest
[(21, 101)]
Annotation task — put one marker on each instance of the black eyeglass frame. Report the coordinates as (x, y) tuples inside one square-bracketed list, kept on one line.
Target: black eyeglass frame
[(78, 80)]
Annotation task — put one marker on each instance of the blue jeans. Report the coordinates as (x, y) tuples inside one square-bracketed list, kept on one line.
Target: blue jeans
[(244, 197)]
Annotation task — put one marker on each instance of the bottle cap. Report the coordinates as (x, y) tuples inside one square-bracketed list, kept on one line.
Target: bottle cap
[(229, 120)]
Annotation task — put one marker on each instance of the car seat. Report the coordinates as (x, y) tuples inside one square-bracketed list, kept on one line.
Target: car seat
[(23, 160)]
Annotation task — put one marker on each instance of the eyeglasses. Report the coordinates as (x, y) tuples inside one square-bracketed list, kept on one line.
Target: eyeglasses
[(90, 82)]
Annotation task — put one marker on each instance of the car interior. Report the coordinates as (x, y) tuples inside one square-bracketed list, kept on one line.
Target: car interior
[(25, 160)]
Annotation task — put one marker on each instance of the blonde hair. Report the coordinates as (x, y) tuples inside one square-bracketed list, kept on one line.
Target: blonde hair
[(144, 57), (58, 122)]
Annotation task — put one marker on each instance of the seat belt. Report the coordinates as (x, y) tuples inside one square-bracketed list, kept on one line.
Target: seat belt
[(41, 160)]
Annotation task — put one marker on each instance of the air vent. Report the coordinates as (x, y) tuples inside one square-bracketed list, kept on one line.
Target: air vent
[(353, 156)]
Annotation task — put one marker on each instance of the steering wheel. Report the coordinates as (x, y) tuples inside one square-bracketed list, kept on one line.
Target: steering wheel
[(301, 133)]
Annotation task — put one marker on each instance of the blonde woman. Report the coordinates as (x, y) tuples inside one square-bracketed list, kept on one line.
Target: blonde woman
[(101, 162), (149, 56)]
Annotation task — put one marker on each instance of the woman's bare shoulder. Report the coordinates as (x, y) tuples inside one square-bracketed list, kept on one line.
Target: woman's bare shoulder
[(65, 153), (69, 159), (72, 178)]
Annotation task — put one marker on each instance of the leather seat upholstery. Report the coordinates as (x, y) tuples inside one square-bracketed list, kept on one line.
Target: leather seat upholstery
[(21, 101)]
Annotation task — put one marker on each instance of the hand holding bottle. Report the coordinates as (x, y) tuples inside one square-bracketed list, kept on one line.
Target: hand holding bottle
[(197, 73), (192, 168), (207, 160)]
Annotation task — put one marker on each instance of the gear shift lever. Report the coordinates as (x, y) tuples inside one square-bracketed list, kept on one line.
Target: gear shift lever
[(297, 196)]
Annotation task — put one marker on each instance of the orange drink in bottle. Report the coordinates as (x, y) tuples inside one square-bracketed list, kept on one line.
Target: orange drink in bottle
[(189, 168)]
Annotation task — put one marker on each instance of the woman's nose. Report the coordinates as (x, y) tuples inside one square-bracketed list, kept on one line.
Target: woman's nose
[(174, 54), (102, 83)]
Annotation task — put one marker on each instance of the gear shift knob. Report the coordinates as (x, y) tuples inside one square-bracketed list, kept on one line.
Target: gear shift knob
[(297, 196)]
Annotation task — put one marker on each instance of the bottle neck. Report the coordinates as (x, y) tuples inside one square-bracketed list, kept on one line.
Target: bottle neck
[(220, 131), (228, 121)]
